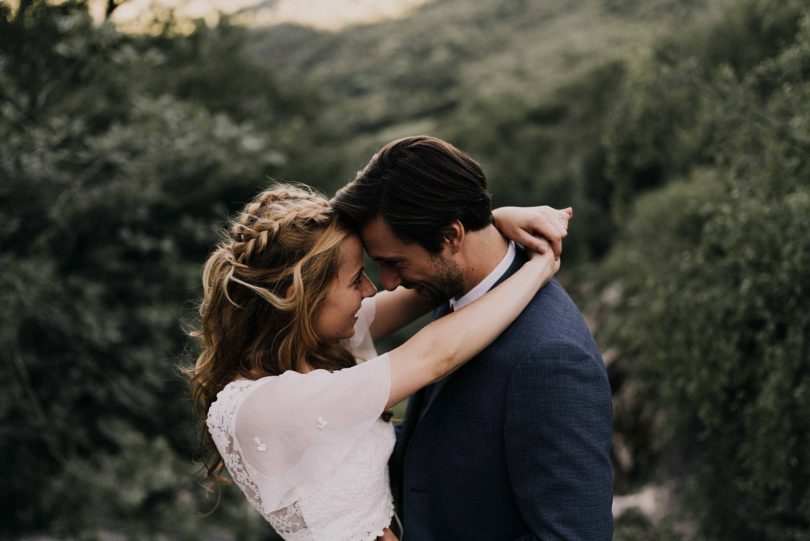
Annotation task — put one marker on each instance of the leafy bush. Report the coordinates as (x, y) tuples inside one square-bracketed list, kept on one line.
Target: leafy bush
[(112, 189), (716, 319)]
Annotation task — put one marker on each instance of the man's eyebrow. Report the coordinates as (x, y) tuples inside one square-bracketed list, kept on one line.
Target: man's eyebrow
[(383, 259)]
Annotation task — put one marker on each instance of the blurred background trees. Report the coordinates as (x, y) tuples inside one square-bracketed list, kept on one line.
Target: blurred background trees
[(678, 130)]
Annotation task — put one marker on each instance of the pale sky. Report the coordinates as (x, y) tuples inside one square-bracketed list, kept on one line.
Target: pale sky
[(323, 14)]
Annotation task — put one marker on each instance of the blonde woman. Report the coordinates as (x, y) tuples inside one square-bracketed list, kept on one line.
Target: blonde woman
[(287, 313)]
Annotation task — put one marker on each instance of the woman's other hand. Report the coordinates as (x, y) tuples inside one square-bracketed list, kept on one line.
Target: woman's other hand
[(548, 264), (534, 227), (388, 535)]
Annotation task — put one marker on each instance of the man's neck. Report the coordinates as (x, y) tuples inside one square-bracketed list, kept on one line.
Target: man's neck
[(483, 250)]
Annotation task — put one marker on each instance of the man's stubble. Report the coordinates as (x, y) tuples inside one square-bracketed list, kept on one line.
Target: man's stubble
[(447, 281)]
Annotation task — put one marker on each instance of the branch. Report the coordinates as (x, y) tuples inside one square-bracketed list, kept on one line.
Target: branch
[(23, 7)]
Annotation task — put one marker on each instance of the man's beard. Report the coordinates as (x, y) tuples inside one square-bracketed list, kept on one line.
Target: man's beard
[(447, 281)]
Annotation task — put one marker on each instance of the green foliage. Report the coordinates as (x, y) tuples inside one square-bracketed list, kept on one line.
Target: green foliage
[(633, 525), (112, 187), (739, 34), (212, 67), (550, 149), (666, 121), (716, 319), (652, 136)]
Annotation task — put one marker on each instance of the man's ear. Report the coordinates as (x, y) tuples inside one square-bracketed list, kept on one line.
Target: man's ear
[(454, 236)]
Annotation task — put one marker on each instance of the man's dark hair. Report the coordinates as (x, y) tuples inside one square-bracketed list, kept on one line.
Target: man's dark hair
[(419, 185)]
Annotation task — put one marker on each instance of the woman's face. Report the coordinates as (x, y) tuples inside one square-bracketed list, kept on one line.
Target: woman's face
[(338, 313)]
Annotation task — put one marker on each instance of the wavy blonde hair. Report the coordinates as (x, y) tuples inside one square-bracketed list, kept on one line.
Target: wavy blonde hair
[(262, 287)]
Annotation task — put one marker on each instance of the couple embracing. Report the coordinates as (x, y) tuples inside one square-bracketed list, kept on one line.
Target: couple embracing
[(507, 431)]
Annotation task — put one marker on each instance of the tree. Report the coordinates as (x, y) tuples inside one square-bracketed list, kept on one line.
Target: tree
[(715, 322)]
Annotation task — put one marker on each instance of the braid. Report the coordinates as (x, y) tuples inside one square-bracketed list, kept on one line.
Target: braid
[(274, 212)]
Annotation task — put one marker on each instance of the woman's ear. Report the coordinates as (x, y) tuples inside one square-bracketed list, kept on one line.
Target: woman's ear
[(454, 236)]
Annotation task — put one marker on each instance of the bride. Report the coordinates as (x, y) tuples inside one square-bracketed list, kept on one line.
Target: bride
[(290, 391)]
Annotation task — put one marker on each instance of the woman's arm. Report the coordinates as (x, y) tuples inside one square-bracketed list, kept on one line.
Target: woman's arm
[(534, 227), (449, 342)]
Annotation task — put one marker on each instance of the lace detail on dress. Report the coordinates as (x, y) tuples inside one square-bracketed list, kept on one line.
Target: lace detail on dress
[(221, 417), (288, 521), (308, 443), (353, 504)]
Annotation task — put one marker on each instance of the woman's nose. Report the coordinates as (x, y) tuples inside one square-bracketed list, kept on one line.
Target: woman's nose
[(370, 289)]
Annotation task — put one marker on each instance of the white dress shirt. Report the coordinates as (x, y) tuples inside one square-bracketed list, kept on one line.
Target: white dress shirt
[(486, 284)]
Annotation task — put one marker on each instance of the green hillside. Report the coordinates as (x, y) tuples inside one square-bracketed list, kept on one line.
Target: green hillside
[(447, 55), (523, 86)]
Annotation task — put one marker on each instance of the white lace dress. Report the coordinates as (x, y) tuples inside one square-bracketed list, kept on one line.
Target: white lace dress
[(309, 451)]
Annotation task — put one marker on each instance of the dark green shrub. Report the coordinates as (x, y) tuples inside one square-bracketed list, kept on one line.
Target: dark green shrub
[(716, 316), (110, 195)]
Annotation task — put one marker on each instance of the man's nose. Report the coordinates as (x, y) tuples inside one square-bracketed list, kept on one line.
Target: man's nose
[(389, 278)]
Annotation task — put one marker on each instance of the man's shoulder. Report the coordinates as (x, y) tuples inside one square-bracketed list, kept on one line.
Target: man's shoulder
[(551, 320), (549, 304), (552, 311)]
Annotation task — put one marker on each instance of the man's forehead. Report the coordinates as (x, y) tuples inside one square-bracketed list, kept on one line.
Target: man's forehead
[(380, 241), (377, 231)]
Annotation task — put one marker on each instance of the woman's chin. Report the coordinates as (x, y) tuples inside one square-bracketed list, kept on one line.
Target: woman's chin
[(344, 336)]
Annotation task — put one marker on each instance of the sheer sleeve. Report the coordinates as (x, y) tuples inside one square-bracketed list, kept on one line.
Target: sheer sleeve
[(361, 344), (294, 429)]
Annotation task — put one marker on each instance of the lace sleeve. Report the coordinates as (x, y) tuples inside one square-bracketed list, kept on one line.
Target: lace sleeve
[(294, 429)]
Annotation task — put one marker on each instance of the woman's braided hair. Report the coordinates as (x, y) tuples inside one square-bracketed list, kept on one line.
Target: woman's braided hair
[(262, 287)]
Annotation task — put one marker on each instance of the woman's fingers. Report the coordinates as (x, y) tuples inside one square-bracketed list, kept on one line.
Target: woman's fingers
[(539, 229), (547, 226), (551, 225), (556, 247), (532, 243), (552, 264), (550, 230)]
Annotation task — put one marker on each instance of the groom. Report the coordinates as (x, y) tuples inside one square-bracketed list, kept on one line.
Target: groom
[(513, 445)]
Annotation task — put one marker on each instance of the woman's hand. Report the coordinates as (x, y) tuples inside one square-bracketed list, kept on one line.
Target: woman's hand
[(388, 535), (534, 227), (547, 264)]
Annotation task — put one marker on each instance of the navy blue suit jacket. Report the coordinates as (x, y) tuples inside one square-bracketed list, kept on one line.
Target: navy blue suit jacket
[(513, 445)]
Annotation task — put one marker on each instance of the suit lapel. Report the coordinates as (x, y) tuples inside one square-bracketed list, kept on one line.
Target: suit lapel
[(416, 404)]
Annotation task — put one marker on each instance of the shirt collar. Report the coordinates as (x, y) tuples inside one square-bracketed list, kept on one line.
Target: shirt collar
[(487, 283)]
